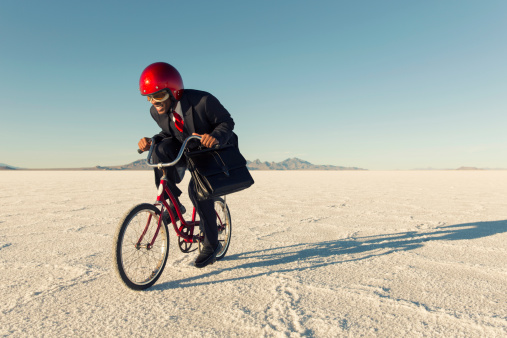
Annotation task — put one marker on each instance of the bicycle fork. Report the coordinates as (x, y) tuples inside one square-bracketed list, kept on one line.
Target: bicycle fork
[(149, 245)]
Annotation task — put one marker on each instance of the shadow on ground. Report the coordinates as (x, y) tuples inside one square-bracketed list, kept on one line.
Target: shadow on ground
[(315, 255)]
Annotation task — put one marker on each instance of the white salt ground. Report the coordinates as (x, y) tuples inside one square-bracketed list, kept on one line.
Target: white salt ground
[(320, 254)]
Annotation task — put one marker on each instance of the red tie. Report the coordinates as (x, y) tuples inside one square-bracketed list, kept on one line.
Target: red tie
[(178, 121)]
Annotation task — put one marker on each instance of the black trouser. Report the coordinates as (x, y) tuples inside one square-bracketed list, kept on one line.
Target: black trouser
[(166, 151)]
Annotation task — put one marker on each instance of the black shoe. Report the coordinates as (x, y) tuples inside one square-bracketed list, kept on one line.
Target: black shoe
[(207, 256), (167, 218)]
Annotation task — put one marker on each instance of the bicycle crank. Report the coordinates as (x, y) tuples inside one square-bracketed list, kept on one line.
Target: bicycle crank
[(185, 246)]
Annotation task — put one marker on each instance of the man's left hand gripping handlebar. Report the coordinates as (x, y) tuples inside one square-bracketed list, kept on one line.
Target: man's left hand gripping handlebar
[(207, 140)]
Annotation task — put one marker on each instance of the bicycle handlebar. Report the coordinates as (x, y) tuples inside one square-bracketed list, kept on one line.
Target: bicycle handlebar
[(160, 165)]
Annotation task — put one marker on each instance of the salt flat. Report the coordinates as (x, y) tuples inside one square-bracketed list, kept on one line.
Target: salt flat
[(324, 254)]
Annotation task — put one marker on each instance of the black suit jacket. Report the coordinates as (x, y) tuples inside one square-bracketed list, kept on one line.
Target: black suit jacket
[(202, 113)]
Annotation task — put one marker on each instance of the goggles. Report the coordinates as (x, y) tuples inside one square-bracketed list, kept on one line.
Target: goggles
[(158, 97)]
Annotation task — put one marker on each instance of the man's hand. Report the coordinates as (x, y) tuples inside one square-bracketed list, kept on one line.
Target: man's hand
[(207, 140), (144, 144)]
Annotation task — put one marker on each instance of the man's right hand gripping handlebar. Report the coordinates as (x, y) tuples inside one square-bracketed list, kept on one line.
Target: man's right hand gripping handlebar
[(144, 145)]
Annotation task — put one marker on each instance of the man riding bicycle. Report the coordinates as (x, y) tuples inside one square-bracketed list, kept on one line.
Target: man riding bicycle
[(181, 113)]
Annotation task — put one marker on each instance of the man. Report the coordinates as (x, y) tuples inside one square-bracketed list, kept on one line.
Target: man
[(181, 113)]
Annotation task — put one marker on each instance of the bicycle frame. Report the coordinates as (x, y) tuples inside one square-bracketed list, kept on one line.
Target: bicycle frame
[(160, 200), (190, 238)]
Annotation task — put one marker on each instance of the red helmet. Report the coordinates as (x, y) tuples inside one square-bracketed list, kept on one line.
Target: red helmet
[(159, 76)]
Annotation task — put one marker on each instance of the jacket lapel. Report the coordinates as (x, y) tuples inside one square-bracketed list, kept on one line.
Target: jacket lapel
[(185, 109)]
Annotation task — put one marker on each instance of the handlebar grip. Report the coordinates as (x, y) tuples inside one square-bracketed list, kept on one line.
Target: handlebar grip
[(140, 151)]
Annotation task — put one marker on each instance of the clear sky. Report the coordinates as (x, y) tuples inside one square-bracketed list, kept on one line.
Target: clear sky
[(374, 84)]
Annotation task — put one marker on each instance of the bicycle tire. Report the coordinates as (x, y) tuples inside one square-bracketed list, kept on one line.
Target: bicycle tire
[(224, 224), (138, 265)]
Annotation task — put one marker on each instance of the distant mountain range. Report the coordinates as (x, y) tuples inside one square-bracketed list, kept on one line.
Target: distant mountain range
[(288, 164), (294, 164), (4, 166)]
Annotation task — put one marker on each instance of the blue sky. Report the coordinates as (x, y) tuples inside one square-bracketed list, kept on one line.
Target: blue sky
[(380, 85)]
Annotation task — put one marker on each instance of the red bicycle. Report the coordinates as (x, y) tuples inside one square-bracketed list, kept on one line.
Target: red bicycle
[(141, 242)]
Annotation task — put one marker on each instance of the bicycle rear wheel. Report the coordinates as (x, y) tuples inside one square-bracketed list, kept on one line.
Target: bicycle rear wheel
[(139, 263), (224, 226)]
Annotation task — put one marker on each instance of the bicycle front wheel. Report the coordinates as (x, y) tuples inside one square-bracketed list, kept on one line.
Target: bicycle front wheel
[(140, 252)]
